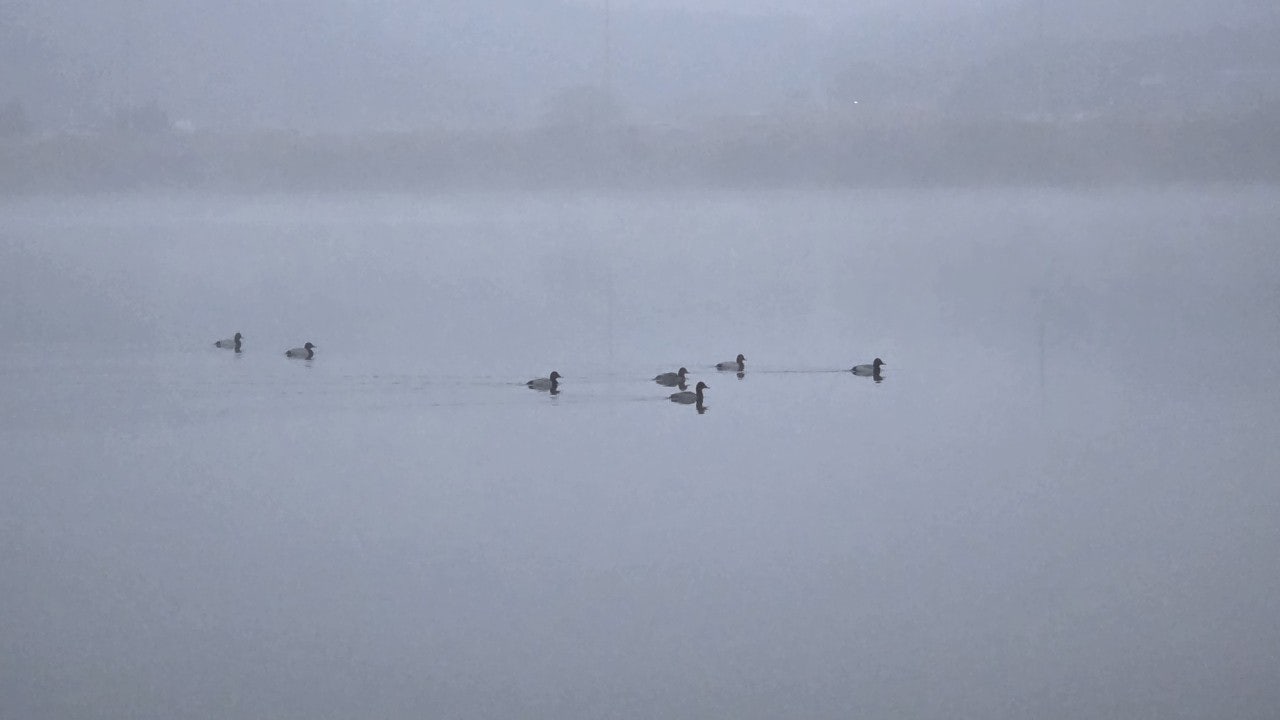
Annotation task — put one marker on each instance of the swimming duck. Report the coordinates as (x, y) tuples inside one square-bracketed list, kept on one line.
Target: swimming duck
[(868, 370), (689, 398), (230, 343), (551, 383), (738, 365), (672, 379), (306, 352)]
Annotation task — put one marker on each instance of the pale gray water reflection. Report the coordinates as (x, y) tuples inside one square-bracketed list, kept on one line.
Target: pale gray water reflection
[(1057, 508)]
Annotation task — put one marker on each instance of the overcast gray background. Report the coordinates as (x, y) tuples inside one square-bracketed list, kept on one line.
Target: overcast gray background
[(1056, 223), (401, 64)]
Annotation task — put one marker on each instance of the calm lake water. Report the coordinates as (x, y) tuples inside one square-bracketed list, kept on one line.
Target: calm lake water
[(1061, 502)]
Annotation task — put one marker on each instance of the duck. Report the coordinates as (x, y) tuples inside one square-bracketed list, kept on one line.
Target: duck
[(672, 379), (232, 343), (551, 382), (739, 365), (871, 370), (690, 397), (306, 352)]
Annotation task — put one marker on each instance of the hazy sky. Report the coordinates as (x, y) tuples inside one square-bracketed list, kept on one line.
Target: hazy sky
[(396, 64)]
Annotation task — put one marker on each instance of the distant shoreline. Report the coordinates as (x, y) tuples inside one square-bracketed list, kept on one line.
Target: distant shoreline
[(759, 155)]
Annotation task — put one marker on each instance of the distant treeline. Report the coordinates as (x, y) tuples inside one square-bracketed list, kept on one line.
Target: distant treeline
[(743, 153)]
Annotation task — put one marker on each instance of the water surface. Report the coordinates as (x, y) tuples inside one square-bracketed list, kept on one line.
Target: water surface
[(1059, 503)]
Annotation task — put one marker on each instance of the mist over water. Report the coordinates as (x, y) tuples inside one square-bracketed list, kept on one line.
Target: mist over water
[(1055, 222), (1058, 503)]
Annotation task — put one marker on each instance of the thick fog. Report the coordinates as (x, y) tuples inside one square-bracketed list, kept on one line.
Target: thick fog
[(1055, 224), (400, 94)]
